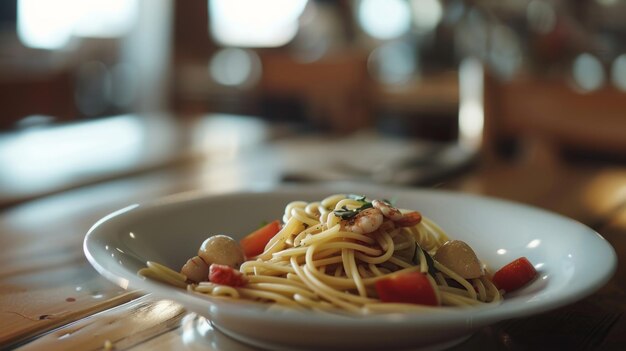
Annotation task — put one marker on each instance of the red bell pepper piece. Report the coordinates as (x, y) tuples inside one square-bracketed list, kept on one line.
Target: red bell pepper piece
[(411, 287), (254, 243), (514, 275)]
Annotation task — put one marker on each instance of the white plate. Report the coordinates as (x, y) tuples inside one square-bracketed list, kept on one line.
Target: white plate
[(573, 261)]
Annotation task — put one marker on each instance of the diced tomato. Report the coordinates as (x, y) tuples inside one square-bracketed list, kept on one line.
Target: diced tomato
[(514, 275), (226, 275), (254, 243), (411, 287), (409, 219)]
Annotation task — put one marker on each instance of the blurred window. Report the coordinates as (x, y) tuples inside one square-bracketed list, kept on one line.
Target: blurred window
[(384, 19), (254, 23), (46, 24)]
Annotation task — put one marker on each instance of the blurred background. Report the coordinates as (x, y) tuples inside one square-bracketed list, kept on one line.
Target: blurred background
[(390, 91)]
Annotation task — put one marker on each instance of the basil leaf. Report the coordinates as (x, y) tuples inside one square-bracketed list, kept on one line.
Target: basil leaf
[(429, 260), (345, 213), (431, 264)]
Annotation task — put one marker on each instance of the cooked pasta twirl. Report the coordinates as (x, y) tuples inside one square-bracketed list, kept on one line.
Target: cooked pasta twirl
[(344, 253)]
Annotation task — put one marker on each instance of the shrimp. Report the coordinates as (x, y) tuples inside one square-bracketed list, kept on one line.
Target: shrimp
[(409, 219), (387, 226), (366, 221), (387, 210)]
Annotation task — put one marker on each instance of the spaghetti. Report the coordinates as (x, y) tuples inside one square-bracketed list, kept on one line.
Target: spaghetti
[(332, 255)]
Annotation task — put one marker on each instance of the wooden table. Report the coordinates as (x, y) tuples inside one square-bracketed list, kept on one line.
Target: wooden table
[(51, 298)]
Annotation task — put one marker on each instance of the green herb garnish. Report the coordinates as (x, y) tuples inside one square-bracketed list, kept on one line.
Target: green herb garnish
[(429, 260), (346, 213)]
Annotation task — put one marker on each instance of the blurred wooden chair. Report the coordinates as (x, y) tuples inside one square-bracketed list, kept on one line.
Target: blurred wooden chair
[(545, 117)]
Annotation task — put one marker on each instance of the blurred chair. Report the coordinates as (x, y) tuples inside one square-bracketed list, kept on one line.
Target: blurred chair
[(544, 117)]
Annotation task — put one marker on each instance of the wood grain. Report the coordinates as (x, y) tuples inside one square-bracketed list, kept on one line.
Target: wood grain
[(121, 327)]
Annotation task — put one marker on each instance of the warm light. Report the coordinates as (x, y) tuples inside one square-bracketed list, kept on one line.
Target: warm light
[(426, 14), (224, 136), (588, 72), (235, 67), (42, 157), (505, 52), (255, 23), (45, 24), (225, 139), (105, 18), (603, 192), (471, 120), (541, 16), (384, 19), (618, 72), (392, 63), (533, 243), (50, 25), (471, 112)]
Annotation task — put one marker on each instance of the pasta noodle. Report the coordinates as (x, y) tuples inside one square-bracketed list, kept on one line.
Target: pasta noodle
[(321, 261)]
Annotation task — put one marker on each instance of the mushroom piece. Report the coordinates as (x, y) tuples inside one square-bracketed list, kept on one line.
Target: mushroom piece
[(221, 249), (196, 270), (460, 258)]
